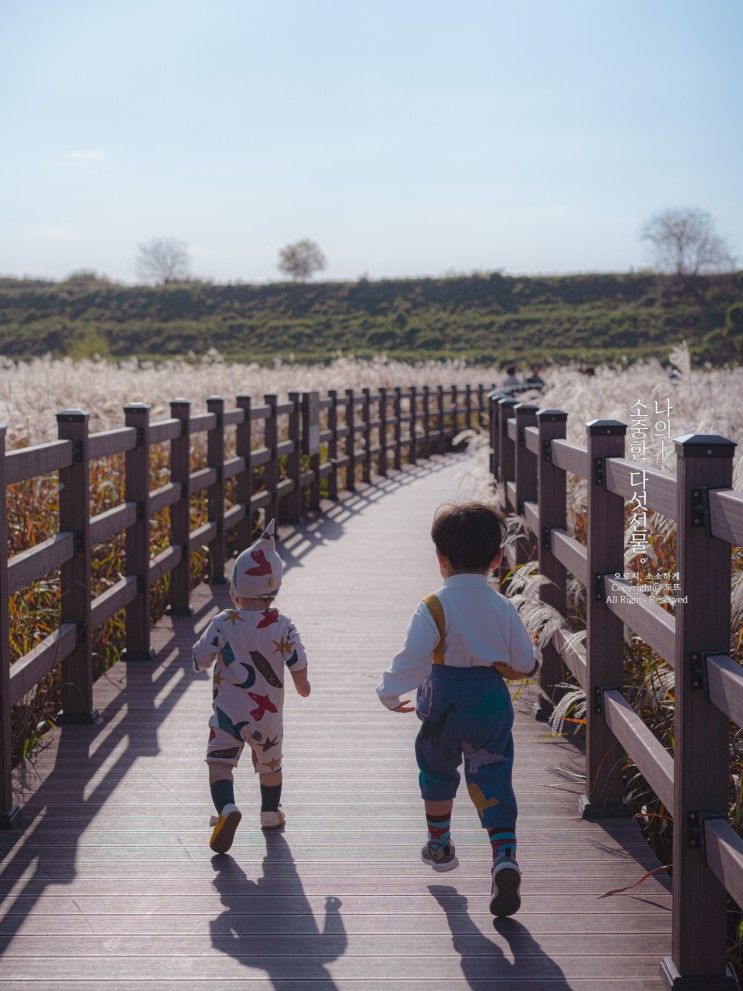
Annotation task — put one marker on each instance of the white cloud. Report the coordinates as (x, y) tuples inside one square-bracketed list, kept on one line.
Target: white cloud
[(86, 154), (62, 232), (200, 251)]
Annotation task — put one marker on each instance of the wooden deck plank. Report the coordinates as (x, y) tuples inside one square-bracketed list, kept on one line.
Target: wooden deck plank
[(113, 862)]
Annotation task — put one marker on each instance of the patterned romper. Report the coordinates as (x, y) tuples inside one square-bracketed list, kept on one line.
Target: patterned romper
[(252, 649)]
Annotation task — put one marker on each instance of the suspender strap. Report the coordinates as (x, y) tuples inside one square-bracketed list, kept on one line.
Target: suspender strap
[(437, 612)]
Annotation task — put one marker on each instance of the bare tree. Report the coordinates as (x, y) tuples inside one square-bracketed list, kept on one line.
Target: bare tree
[(301, 260), (163, 259), (684, 241)]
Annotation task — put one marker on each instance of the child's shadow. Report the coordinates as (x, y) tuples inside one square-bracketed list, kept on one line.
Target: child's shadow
[(482, 958), (269, 923)]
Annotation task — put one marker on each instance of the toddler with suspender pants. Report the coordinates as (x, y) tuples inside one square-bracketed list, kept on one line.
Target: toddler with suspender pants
[(461, 643)]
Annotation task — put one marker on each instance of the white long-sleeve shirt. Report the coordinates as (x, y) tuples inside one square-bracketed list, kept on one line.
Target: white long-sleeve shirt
[(482, 626)]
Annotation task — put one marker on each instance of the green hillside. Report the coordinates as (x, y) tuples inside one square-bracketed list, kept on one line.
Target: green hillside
[(486, 317)]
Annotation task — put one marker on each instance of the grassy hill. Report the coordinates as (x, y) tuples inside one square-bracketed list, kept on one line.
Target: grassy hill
[(487, 317)]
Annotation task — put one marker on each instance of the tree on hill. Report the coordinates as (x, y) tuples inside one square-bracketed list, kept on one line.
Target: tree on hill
[(301, 260), (163, 259), (684, 241)]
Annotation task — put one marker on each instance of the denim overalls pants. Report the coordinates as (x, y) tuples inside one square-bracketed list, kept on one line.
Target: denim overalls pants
[(467, 712)]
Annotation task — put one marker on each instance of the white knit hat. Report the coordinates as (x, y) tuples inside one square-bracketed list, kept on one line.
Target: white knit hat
[(258, 569)]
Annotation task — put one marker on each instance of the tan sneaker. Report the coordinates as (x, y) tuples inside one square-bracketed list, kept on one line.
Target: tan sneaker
[(272, 820), (225, 825)]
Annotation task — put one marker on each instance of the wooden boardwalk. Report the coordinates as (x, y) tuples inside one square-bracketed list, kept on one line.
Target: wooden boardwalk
[(111, 881)]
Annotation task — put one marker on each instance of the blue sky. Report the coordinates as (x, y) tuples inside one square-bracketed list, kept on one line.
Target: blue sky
[(405, 137)]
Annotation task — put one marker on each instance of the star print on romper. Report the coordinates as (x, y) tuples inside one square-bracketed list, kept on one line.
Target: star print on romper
[(234, 616), (272, 763), (263, 705), (281, 646)]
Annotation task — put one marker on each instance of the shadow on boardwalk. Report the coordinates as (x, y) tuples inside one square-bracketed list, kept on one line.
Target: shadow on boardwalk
[(482, 959), (284, 962), (53, 788)]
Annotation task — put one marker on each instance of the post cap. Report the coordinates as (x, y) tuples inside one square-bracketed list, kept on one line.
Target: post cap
[(215, 399), (704, 446), (137, 408), (525, 408), (72, 415), (507, 401), (604, 428), (243, 397), (3, 430), (179, 402), (552, 416)]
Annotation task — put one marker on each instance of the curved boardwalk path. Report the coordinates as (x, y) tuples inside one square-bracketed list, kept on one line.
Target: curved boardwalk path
[(112, 883)]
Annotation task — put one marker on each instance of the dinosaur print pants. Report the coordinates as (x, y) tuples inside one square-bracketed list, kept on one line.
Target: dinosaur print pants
[(467, 713)]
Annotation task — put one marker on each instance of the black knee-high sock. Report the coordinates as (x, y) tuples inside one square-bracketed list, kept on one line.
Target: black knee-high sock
[(223, 792), (270, 797)]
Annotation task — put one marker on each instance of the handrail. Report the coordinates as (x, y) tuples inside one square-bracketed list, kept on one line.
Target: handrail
[(530, 456), (329, 441)]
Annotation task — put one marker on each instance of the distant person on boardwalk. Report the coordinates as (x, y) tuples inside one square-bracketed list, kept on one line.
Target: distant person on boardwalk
[(252, 645), (461, 643), (535, 379), (511, 380)]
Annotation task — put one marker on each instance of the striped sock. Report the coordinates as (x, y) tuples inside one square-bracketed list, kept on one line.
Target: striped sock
[(438, 831), (502, 839)]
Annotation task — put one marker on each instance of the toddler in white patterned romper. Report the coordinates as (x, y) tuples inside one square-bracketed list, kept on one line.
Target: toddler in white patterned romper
[(252, 644)]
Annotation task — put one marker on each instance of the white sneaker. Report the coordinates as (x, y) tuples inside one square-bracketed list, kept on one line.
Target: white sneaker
[(272, 820), (225, 825)]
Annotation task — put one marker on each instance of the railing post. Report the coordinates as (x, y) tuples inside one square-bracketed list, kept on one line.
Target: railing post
[(525, 475), (493, 421), (454, 400), (350, 441), (215, 492), (137, 539), (440, 415), (366, 419), (605, 642), (480, 405), (311, 441), (75, 577), (426, 423), (333, 444), (398, 427), (468, 406), (700, 764), (271, 468), (294, 472), (551, 497), (10, 814), (413, 446), (180, 511), (244, 493), (383, 431), (506, 448)]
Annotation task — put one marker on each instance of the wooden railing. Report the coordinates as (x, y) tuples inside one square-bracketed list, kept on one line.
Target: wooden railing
[(283, 452), (530, 457)]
